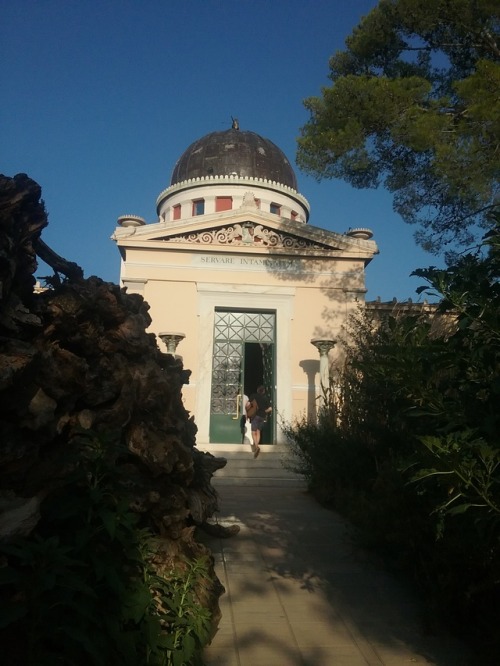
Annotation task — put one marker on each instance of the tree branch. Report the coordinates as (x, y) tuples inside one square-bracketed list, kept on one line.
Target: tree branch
[(60, 265)]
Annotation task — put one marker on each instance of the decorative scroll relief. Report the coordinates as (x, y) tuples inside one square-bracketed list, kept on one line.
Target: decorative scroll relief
[(242, 234)]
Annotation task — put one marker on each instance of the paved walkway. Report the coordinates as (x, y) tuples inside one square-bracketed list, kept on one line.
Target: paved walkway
[(299, 593)]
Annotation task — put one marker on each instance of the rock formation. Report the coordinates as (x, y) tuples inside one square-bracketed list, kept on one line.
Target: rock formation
[(76, 365)]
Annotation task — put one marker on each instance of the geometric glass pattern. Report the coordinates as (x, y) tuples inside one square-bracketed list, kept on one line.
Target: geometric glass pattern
[(245, 326), (268, 368)]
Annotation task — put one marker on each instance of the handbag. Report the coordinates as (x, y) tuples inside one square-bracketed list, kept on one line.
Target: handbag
[(248, 439)]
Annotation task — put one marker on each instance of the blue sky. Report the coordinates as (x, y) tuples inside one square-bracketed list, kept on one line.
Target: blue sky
[(101, 97)]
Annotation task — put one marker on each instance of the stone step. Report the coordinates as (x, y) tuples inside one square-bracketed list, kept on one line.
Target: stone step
[(297, 482), (243, 469), (242, 449), (254, 469)]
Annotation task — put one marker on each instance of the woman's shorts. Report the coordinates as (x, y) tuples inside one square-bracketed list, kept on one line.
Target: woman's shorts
[(257, 423)]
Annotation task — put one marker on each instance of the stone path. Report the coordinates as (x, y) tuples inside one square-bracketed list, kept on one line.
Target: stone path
[(300, 593)]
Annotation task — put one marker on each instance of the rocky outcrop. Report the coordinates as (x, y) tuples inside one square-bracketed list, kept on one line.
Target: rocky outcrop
[(76, 364)]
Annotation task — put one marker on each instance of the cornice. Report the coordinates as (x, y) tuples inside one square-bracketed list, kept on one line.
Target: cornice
[(254, 239), (311, 252), (216, 226)]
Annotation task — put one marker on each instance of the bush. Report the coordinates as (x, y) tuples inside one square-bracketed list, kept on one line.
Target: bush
[(409, 449), (91, 586)]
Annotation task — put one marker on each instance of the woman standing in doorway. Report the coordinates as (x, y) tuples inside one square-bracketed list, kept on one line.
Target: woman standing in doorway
[(258, 421)]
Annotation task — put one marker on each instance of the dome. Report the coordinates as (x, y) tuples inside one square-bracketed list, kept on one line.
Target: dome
[(234, 152)]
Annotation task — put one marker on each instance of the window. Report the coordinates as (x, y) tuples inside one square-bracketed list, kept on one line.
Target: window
[(199, 207), (294, 215), (223, 203), (176, 212), (275, 209)]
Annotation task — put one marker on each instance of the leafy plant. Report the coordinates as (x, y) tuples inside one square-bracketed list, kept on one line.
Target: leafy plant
[(468, 468), (187, 625), (411, 451), (91, 586)]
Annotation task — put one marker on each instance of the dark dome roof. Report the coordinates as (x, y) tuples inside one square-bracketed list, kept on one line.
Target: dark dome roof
[(234, 152)]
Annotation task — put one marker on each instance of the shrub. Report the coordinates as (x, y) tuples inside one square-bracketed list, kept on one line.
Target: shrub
[(91, 586), (410, 448)]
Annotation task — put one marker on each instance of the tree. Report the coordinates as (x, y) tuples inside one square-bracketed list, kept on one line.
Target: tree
[(414, 105)]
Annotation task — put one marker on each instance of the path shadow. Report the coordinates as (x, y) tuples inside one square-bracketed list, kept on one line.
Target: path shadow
[(291, 543)]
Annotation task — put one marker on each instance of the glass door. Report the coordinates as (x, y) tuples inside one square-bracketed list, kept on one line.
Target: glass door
[(226, 404), (243, 359)]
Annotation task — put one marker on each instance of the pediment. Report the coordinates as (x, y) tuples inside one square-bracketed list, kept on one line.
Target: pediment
[(247, 234), (246, 229)]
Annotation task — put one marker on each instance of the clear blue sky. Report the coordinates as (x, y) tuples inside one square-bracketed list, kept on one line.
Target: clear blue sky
[(100, 98)]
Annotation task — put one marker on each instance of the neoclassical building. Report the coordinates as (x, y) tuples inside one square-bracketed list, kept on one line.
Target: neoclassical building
[(239, 283)]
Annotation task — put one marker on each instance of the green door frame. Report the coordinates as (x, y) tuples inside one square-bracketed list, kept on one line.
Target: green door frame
[(234, 332)]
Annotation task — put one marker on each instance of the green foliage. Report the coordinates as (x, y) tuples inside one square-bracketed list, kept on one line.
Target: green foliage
[(414, 105), (410, 450), (317, 449), (189, 625), (85, 588), (469, 468)]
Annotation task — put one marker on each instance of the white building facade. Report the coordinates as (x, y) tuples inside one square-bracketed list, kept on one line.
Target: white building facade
[(239, 282)]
